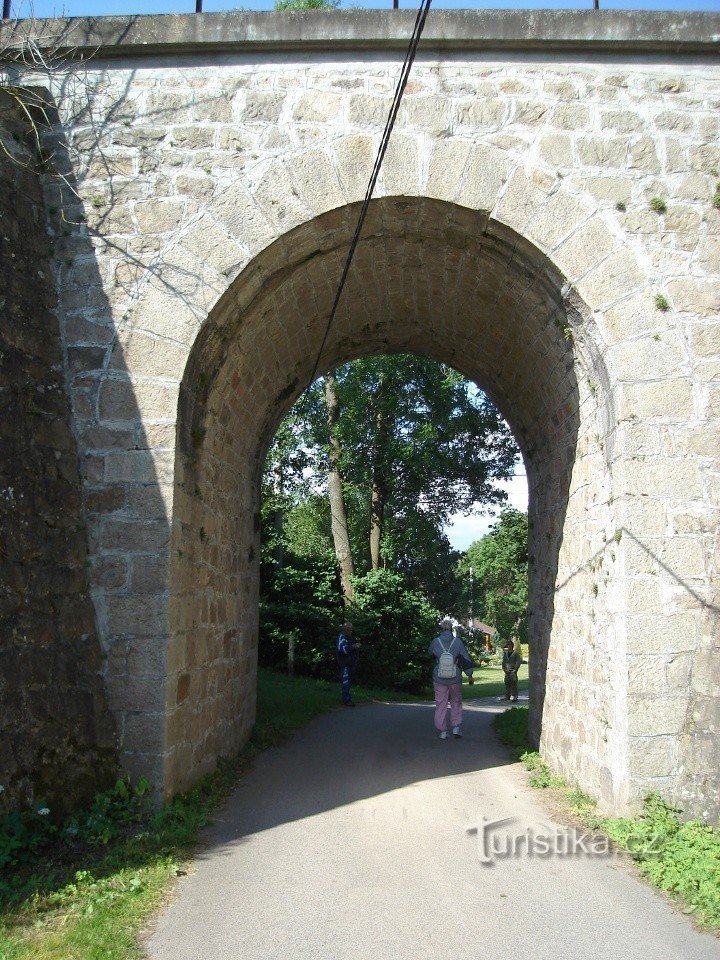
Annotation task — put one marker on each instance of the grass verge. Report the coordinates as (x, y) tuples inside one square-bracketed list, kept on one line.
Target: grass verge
[(83, 889), (489, 682), (681, 858)]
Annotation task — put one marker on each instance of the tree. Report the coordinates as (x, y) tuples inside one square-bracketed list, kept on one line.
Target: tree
[(368, 467), (397, 444), (395, 623), (417, 444), (286, 464), (500, 567), (336, 497)]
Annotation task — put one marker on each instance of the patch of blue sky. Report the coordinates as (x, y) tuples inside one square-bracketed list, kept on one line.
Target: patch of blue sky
[(94, 8)]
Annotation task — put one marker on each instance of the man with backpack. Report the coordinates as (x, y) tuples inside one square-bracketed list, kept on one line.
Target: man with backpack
[(346, 654), (452, 659)]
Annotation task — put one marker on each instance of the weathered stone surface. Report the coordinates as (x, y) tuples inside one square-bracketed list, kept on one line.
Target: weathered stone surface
[(485, 173), (217, 209), (58, 738), (447, 166), (672, 399)]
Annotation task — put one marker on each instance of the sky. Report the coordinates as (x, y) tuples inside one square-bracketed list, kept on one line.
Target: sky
[(84, 8), (462, 531)]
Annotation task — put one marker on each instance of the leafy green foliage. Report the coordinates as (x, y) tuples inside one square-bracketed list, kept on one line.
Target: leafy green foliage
[(542, 776), (83, 889), (300, 599), (395, 625), (25, 834), (415, 428), (511, 728), (680, 858), (433, 443), (294, 5), (419, 437), (500, 572)]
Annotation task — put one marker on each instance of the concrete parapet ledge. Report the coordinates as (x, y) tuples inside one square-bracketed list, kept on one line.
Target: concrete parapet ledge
[(633, 31)]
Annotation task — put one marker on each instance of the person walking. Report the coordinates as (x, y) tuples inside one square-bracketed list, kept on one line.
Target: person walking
[(511, 663), (452, 660), (347, 657)]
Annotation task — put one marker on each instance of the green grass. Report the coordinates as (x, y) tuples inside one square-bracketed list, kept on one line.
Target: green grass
[(681, 858), (511, 728), (286, 703), (83, 890), (489, 682)]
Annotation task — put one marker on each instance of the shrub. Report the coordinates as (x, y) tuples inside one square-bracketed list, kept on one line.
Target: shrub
[(294, 5), (303, 600), (26, 834), (542, 776), (395, 625), (658, 205)]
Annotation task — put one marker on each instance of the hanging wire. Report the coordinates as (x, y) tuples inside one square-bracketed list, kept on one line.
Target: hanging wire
[(385, 139)]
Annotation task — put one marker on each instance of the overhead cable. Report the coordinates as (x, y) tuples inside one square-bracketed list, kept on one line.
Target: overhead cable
[(384, 140)]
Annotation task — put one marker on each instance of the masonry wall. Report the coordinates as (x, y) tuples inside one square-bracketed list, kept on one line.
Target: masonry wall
[(192, 166), (57, 742)]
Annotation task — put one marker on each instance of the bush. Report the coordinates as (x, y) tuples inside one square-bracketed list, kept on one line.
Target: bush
[(293, 5), (303, 600), (395, 625), (393, 622)]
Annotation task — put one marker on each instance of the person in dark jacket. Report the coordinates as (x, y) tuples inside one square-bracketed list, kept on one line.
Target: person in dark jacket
[(347, 658), (511, 663)]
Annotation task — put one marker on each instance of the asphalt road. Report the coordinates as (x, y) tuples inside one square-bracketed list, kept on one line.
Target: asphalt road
[(351, 841)]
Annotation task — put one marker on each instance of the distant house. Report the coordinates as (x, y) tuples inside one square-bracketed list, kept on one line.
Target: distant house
[(489, 633)]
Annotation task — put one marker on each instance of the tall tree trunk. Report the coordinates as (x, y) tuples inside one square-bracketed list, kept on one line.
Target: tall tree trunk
[(338, 513), (384, 424), (377, 515)]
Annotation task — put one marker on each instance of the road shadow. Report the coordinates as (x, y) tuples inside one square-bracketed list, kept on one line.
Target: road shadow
[(348, 756)]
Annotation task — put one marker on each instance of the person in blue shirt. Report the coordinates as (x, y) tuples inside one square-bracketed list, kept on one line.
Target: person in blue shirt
[(347, 658)]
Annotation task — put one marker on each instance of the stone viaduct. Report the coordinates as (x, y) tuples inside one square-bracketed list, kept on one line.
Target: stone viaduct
[(545, 222)]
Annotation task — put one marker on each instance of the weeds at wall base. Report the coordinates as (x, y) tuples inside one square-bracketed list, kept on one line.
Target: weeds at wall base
[(86, 894), (681, 858)]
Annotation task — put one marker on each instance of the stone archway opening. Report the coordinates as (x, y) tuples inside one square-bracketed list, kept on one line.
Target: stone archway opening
[(430, 278)]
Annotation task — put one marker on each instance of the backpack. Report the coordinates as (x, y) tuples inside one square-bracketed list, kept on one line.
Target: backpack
[(446, 663)]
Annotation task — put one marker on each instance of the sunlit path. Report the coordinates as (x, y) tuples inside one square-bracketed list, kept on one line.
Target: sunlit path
[(351, 841)]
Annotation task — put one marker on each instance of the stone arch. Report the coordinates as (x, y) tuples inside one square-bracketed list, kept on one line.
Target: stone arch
[(211, 244), (605, 721), (430, 277)]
